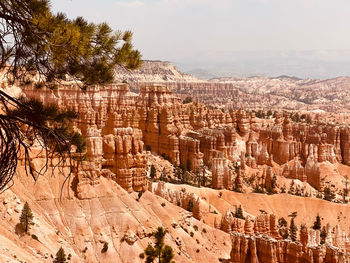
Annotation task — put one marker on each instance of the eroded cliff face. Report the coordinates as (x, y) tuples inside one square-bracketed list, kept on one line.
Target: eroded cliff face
[(120, 125), (153, 72), (263, 243), (90, 210), (258, 238), (262, 248), (249, 93)]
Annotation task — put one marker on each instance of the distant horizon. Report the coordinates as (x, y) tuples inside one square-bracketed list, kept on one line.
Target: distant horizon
[(203, 73), (303, 38), (197, 73), (314, 64)]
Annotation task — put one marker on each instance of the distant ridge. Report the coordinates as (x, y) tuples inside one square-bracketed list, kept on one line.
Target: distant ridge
[(155, 71), (287, 77)]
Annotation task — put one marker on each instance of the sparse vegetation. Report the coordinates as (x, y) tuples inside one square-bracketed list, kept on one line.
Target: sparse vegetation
[(105, 247), (282, 222), (345, 189), (323, 235), (190, 206), (153, 172), (187, 100), (293, 230), (328, 193), (34, 40), (239, 213), (317, 223), (292, 227), (139, 195), (161, 252), (26, 218), (60, 256)]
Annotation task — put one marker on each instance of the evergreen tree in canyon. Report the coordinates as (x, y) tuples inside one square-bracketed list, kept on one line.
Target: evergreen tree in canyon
[(317, 223), (60, 256), (283, 229), (292, 227), (153, 172), (239, 213), (323, 235), (160, 252), (293, 230), (37, 44), (26, 218)]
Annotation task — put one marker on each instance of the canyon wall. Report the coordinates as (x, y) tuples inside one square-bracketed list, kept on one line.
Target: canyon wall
[(256, 92), (120, 125)]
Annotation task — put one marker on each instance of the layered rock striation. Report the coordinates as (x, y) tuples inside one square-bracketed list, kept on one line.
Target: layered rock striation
[(261, 242), (120, 125)]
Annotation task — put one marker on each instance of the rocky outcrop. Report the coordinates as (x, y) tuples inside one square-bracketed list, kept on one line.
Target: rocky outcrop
[(193, 135), (152, 71), (262, 248), (124, 156), (261, 242), (187, 201), (222, 176)]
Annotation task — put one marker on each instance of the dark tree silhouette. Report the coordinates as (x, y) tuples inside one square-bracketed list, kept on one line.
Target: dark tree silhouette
[(60, 256), (317, 223), (329, 193), (190, 206), (34, 42), (292, 227), (27, 121), (293, 230), (187, 100), (160, 251), (323, 235), (26, 218), (153, 171), (239, 213), (283, 229)]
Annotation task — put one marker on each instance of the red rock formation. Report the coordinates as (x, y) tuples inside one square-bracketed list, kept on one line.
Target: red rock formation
[(243, 123), (156, 95), (273, 228), (248, 226), (190, 153), (217, 223), (227, 221), (345, 144), (123, 154), (238, 183), (265, 249), (197, 214), (178, 198), (222, 176), (262, 224), (189, 133)]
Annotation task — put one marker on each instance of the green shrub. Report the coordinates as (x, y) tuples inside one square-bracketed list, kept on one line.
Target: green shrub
[(105, 247)]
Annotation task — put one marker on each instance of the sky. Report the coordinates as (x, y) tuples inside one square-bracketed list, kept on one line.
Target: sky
[(308, 38)]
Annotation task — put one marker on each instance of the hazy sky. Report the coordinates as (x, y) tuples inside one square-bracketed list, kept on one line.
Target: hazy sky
[(208, 31)]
